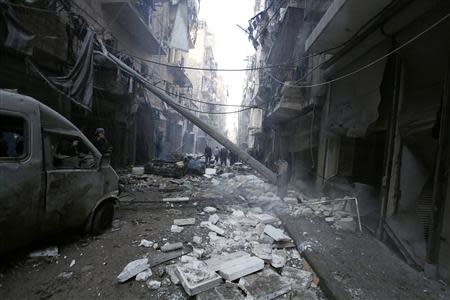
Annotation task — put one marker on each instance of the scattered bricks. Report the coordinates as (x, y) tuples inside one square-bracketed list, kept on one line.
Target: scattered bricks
[(276, 234), (240, 267), (176, 199), (265, 285), (195, 277), (264, 218), (210, 209), (222, 292), (213, 219), (300, 279), (176, 229), (184, 222), (217, 262), (171, 246), (213, 227), (132, 269)]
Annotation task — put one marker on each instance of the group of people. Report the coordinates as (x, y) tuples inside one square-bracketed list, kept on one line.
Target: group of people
[(221, 156)]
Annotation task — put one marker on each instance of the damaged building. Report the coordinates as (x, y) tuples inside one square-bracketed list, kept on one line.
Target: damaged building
[(40, 45), (357, 105)]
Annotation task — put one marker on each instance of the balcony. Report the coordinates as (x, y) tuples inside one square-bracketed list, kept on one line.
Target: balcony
[(127, 17), (293, 103), (341, 21), (179, 75)]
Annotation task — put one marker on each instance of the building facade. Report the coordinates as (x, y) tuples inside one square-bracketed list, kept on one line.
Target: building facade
[(357, 104)]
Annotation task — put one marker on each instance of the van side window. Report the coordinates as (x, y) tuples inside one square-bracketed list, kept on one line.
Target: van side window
[(68, 152), (13, 138)]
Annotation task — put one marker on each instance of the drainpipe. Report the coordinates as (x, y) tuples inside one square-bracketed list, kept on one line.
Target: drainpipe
[(244, 156)]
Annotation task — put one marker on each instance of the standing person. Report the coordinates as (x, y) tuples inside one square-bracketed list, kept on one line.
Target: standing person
[(208, 155), (223, 156), (233, 158), (282, 177), (100, 141), (216, 155)]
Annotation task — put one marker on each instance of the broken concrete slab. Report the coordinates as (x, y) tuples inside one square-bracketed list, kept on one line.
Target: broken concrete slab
[(132, 269), (171, 246), (171, 271), (210, 209), (184, 222), (263, 251), (277, 261), (240, 267), (213, 227), (300, 279), (225, 291), (215, 263), (195, 277), (213, 219), (283, 245), (265, 285), (144, 276), (197, 240), (290, 200), (277, 234), (176, 229), (264, 218), (238, 214), (210, 171), (176, 199)]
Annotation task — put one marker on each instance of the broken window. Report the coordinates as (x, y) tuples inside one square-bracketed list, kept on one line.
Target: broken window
[(13, 138), (67, 152)]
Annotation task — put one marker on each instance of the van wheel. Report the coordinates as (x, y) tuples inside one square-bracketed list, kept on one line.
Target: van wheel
[(103, 218)]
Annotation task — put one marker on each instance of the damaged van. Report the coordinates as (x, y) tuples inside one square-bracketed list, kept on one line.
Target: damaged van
[(52, 179)]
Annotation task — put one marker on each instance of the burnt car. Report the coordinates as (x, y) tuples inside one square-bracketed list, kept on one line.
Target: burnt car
[(52, 178)]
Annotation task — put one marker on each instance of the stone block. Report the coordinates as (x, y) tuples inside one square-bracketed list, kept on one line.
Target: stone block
[(277, 234), (265, 285), (184, 222), (240, 267)]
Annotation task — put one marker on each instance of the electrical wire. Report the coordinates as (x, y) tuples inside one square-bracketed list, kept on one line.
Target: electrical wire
[(376, 60), (270, 20)]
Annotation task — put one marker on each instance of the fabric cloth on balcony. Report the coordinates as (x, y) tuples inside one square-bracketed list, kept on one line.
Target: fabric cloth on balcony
[(179, 38), (18, 37), (78, 84)]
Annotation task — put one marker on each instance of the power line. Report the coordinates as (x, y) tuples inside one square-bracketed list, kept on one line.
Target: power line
[(376, 60)]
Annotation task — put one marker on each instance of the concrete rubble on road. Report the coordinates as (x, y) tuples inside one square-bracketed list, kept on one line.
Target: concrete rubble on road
[(277, 234), (144, 276), (184, 222), (195, 277), (171, 246), (132, 269), (265, 285), (153, 284), (176, 229), (145, 243), (210, 209), (45, 253), (176, 199)]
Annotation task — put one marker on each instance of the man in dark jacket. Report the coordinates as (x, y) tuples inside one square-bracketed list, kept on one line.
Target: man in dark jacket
[(100, 141), (208, 155)]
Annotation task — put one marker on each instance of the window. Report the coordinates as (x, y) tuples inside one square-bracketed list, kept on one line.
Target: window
[(67, 152), (13, 137)]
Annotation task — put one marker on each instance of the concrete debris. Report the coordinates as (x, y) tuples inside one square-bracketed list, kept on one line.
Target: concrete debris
[(176, 229), (264, 218), (72, 263), (222, 292), (300, 279), (213, 219), (176, 199), (213, 236), (171, 271), (278, 261), (144, 276), (265, 285), (217, 262), (290, 200), (197, 240), (198, 253), (214, 228), (215, 182), (145, 243), (195, 277), (153, 284), (49, 252), (210, 171), (210, 209), (263, 251), (240, 267), (137, 171), (184, 222), (171, 246), (329, 219), (238, 214), (132, 269), (276, 234), (65, 275)]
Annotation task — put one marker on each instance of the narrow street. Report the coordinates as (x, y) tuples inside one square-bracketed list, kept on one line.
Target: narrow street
[(225, 149)]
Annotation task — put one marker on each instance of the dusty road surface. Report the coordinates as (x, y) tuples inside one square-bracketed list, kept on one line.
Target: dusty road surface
[(87, 267)]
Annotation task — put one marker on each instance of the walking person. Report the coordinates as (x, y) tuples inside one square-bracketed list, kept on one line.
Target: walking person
[(100, 141), (208, 155), (216, 155)]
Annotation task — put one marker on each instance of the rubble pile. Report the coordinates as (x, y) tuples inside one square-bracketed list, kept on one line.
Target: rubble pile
[(239, 252)]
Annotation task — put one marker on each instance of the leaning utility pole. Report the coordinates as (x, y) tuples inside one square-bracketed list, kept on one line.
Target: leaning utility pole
[(244, 156)]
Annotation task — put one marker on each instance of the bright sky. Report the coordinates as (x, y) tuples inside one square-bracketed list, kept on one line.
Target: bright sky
[(232, 45)]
